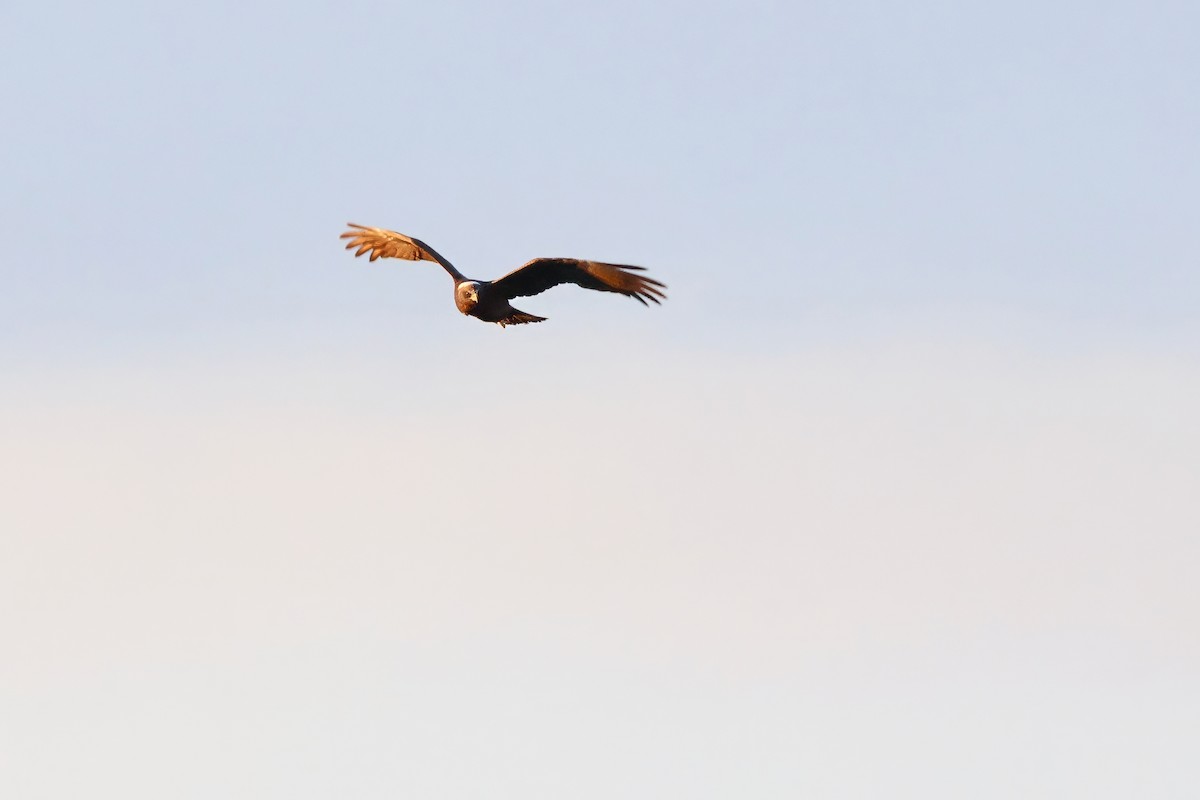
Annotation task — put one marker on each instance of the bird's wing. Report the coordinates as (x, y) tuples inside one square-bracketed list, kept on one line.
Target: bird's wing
[(382, 243), (542, 273)]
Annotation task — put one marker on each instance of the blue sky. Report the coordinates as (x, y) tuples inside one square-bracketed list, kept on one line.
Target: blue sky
[(777, 162), (894, 497)]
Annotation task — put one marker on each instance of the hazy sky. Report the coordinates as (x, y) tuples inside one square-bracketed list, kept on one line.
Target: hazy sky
[(895, 497)]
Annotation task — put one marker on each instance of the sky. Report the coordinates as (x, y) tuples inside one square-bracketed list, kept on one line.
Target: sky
[(895, 496)]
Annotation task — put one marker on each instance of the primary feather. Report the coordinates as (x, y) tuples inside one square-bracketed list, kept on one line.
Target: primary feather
[(382, 243)]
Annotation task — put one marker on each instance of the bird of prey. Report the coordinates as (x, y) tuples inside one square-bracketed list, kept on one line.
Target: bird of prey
[(489, 300)]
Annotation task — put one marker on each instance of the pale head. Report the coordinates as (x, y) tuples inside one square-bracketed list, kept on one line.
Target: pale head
[(466, 295)]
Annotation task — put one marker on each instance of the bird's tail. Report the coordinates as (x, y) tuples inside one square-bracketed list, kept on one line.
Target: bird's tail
[(520, 318)]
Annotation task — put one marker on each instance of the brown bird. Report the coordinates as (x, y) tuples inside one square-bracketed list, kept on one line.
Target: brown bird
[(488, 300)]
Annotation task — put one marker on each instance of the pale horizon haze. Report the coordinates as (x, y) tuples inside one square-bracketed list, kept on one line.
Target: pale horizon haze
[(897, 496)]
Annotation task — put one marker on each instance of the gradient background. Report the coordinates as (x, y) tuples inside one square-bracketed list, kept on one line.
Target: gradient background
[(896, 497)]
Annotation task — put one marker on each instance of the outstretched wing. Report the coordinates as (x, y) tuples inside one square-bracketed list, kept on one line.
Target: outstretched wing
[(542, 273), (382, 243)]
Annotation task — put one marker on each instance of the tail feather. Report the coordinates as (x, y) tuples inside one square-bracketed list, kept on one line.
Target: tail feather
[(519, 318)]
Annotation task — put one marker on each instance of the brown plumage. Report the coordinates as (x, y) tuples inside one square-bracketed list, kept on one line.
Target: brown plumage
[(488, 300)]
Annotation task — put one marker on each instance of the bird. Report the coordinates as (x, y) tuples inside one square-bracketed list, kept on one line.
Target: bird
[(489, 300)]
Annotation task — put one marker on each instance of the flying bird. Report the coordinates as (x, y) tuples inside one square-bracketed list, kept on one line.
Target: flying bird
[(489, 300)]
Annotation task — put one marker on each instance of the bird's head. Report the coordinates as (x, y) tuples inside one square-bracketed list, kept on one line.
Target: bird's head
[(466, 295)]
